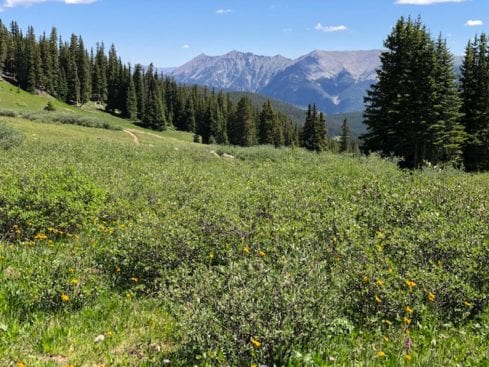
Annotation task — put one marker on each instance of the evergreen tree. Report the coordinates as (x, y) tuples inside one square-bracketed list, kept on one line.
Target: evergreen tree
[(244, 124), (140, 90), (72, 77), (154, 114), (4, 45), (345, 137), (475, 106), (131, 100), (54, 82), (314, 130), (267, 125), (29, 58), (99, 75), (113, 80), (407, 112), (446, 135), (46, 65), (84, 72)]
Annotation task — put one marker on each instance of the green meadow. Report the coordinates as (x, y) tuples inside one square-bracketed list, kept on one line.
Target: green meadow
[(166, 252)]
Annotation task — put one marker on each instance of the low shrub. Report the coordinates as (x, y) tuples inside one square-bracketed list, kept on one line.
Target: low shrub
[(9, 137), (44, 205)]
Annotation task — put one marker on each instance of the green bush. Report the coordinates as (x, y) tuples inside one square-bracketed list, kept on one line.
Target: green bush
[(9, 137), (47, 205), (50, 107)]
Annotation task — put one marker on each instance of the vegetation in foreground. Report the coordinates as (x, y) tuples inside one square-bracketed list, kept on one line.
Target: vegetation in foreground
[(119, 254)]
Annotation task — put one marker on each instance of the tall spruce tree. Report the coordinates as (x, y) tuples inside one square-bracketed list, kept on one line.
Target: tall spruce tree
[(408, 105), (84, 72), (268, 125), (345, 137), (245, 125), (314, 130), (131, 99), (475, 106)]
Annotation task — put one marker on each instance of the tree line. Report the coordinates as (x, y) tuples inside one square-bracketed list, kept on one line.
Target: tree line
[(67, 70), (71, 73), (418, 109)]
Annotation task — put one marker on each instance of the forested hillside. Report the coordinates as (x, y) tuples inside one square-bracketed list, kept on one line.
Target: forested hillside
[(71, 73)]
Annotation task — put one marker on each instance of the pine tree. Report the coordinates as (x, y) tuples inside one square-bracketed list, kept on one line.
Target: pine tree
[(131, 100), (30, 76), (407, 112), (99, 75), (140, 90), (267, 125), (314, 130), (4, 44), (72, 78), (113, 80), (446, 133), (345, 137), (84, 72), (54, 59), (475, 106), (244, 124), (154, 114)]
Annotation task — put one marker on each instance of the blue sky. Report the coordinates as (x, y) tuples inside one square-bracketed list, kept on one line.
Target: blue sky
[(171, 32)]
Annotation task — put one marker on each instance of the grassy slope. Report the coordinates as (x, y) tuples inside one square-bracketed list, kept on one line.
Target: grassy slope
[(138, 330), (13, 99)]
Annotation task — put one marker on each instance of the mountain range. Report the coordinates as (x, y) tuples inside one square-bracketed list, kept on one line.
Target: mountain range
[(336, 81)]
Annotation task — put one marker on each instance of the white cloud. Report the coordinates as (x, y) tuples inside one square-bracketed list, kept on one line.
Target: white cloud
[(223, 11), (186, 46), (427, 2), (474, 23), (8, 4), (330, 28)]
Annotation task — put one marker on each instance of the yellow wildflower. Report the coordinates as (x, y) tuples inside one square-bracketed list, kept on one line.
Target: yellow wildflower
[(75, 281), (365, 279), (381, 354), (40, 237), (254, 365), (389, 270), (65, 298), (407, 358), (407, 320), (431, 297), (246, 250), (20, 364), (380, 282), (411, 284), (109, 333), (256, 343), (262, 253), (134, 280), (408, 309), (378, 299)]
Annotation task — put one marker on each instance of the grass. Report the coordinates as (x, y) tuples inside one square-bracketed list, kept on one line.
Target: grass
[(184, 256)]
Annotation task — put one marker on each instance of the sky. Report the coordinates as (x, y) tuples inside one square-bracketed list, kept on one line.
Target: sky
[(172, 32)]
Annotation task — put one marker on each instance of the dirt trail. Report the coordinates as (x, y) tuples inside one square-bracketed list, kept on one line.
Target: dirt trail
[(135, 139), (145, 132)]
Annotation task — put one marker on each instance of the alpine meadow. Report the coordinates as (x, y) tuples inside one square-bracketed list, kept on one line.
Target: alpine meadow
[(196, 216)]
